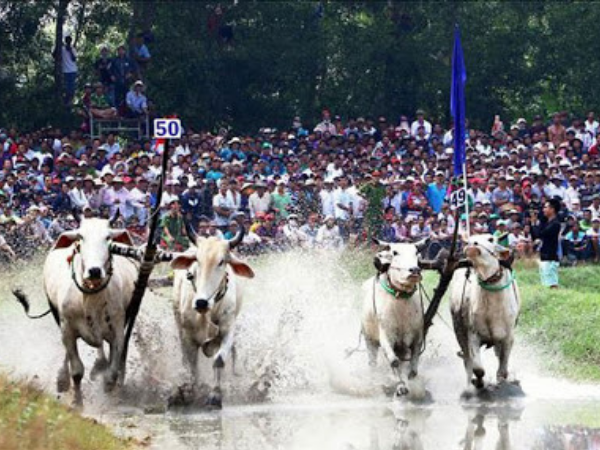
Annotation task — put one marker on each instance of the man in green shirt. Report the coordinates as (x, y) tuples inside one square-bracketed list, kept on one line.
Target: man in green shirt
[(174, 234), (281, 201)]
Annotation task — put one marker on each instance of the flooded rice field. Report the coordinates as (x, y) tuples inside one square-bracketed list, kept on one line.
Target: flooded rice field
[(297, 386)]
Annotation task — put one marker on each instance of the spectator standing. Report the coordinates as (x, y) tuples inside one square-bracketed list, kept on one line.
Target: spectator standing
[(281, 201), (547, 232), (121, 70), (420, 122), (103, 67)]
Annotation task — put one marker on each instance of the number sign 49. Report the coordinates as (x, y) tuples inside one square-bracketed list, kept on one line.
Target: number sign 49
[(167, 128), (458, 199)]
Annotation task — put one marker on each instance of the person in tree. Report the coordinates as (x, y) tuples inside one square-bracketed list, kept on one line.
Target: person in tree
[(69, 69), (121, 70), (103, 66)]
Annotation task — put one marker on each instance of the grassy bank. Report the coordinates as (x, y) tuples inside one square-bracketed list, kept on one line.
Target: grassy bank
[(564, 324), (29, 419)]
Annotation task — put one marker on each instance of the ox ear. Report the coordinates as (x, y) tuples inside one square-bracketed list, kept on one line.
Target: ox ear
[(66, 239), (240, 268), (122, 237), (183, 261)]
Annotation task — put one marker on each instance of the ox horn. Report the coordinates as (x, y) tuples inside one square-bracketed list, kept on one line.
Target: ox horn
[(112, 222), (190, 231), (381, 243), (237, 239), (422, 244)]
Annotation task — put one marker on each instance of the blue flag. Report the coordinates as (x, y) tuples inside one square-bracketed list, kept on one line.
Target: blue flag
[(457, 103)]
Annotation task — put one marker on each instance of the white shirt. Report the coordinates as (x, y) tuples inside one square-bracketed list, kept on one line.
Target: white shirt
[(222, 201), (414, 128), (344, 198), (77, 197), (592, 127), (235, 198), (329, 237), (259, 204), (570, 195), (122, 196), (327, 202)]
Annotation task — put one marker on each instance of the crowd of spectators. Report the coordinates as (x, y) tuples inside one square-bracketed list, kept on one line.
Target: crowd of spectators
[(331, 185)]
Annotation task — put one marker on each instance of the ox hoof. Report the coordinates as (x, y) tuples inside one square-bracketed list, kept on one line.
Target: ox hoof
[(100, 365), (215, 399), (478, 383), (401, 390), (110, 382), (63, 383), (77, 401), (219, 363)]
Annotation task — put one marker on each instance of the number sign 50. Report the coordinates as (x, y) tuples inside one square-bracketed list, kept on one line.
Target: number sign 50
[(167, 128)]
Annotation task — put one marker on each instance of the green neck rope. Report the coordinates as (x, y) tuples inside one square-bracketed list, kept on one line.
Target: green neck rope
[(397, 294), (493, 288)]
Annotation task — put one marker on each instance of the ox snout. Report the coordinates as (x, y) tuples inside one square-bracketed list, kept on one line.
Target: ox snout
[(414, 273), (94, 273), (201, 305), (472, 252)]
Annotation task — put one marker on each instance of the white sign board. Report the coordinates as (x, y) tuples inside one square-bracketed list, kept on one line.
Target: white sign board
[(458, 199), (167, 129)]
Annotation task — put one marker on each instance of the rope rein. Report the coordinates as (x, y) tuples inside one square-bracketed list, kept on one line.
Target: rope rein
[(219, 293)]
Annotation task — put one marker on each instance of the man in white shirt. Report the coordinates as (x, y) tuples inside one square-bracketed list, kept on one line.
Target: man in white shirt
[(223, 205), (116, 198), (555, 188), (420, 122), (140, 200), (572, 194), (78, 199), (327, 195), (329, 236), (69, 69), (260, 200), (591, 124)]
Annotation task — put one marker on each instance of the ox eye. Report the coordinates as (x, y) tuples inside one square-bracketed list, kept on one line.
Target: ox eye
[(222, 262), (395, 253), (491, 239)]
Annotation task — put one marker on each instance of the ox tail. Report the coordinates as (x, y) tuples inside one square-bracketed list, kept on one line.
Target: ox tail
[(24, 301)]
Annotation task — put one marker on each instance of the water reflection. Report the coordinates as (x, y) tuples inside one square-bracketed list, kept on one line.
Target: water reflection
[(477, 434), (568, 438)]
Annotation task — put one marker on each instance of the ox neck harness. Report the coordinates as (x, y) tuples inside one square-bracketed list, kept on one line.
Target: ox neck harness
[(387, 286), (490, 283), (81, 287), (219, 293)]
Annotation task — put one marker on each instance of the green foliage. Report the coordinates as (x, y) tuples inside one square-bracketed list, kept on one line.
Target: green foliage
[(358, 58), (29, 419)]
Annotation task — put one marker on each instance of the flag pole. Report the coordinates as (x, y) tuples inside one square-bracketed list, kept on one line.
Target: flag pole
[(466, 197)]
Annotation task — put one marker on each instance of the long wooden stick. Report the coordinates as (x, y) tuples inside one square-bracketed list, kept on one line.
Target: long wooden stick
[(445, 278), (147, 264)]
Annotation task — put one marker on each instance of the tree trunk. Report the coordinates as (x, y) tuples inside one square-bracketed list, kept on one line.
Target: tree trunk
[(61, 14)]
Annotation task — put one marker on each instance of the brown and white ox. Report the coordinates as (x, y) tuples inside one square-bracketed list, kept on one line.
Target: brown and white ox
[(88, 291), (485, 307), (207, 300), (392, 315)]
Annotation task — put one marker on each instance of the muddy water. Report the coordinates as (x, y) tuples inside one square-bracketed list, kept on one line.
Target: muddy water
[(299, 319)]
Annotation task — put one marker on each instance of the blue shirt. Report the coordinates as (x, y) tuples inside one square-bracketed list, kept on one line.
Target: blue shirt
[(436, 196)]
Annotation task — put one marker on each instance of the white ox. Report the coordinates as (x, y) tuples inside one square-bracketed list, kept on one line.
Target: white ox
[(485, 307), (392, 316), (207, 300), (88, 291)]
